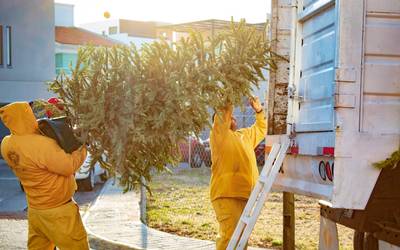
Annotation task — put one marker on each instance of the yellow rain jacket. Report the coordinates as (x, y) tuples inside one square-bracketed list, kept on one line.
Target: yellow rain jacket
[(44, 169), (234, 170), (234, 166)]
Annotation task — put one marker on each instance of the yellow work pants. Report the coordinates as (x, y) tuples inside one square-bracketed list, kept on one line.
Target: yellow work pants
[(61, 226), (228, 212)]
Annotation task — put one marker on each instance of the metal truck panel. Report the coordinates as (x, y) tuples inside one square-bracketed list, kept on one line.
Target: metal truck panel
[(388, 6), (316, 65), (346, 66), (381, 87)]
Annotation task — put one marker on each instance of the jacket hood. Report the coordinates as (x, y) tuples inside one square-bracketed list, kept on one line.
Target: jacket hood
[(18, 117)]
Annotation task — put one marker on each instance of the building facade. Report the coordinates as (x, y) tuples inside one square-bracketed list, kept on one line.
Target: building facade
[(129, 31), (69, 38), (64, 15), (26, 49)]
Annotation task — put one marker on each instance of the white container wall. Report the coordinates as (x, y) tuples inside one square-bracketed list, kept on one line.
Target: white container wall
[(344, 96)]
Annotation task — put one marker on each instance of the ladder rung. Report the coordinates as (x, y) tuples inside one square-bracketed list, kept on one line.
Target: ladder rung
[(245, 220), (263, 179), (258, 196)]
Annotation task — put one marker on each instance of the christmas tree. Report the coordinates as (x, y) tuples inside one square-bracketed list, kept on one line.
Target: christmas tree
[(135, 105)]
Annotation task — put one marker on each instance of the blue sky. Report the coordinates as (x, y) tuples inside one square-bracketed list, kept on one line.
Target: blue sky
[(173, 11)]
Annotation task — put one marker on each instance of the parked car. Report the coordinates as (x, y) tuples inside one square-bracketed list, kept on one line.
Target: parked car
[(86, 178), (260, 153), (200, 152)]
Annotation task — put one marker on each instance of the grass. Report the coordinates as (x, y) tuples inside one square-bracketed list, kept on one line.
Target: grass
[(180, 205)]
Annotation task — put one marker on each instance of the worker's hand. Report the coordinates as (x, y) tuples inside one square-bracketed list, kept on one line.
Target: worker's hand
[(255, 104)]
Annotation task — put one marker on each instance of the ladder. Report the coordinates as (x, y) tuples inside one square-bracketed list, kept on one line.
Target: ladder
[(258, 196)]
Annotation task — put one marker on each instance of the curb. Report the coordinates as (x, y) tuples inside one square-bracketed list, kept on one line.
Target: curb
[(99, 242)]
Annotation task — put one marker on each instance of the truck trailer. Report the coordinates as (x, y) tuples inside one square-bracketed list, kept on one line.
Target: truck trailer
[(337, 98)]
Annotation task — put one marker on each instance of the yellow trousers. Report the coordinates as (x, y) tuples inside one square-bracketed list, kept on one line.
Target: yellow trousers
[(228, 212), (61, 226)]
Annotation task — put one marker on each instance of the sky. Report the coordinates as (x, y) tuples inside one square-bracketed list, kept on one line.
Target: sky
[(170, 11)]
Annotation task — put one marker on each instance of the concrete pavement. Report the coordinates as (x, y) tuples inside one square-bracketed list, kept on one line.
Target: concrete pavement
[(113, 222), (12, 199), (13, 221)]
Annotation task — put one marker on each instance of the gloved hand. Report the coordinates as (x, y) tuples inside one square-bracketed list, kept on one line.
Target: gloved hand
[(255, 104)]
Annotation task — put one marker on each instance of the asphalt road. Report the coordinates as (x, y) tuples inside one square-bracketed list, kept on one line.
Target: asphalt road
[(13, 223), (12, 199)]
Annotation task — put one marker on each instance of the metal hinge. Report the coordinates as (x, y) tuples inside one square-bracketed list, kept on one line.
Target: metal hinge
[(293, 95)]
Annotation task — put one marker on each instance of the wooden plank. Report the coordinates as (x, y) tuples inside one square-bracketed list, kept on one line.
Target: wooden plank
[(277, 93), (270, 102), (288, 221), (328, 235)]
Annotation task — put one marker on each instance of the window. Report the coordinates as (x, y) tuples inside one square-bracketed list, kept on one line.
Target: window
[(1, 45), (8, 45), (112, 30)]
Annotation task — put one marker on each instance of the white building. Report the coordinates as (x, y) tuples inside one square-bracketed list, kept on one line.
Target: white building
[(64, 15), (68, 38), (128, 31)]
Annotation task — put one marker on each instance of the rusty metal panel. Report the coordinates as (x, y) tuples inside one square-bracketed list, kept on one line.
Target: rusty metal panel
[(278, 82)]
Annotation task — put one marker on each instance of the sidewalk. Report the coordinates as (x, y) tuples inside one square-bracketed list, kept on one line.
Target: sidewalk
[(113, 223)]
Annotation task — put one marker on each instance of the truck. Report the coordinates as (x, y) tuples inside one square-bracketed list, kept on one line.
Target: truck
[(337, 97)]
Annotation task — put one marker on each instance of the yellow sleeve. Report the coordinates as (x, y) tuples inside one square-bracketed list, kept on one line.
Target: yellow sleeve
[(256, 133), (54, 158)]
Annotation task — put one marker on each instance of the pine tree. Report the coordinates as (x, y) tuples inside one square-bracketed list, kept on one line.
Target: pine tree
[(135, 105)]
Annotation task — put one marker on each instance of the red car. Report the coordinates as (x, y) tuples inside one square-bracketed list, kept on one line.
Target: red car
[(200, 152)]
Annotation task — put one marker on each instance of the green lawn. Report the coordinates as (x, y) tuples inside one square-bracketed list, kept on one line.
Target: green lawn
[(180, 205)]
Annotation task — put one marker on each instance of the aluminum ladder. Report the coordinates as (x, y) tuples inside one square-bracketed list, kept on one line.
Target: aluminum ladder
[(258, 196)]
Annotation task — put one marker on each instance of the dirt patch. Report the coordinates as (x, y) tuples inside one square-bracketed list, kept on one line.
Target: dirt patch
[(180, 205)]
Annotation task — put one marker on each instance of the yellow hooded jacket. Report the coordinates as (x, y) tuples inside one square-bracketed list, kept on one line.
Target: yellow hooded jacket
[(234, 165), (44, 169)]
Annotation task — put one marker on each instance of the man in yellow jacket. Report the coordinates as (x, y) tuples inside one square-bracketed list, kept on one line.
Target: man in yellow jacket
[(47, 175), (234, 167)]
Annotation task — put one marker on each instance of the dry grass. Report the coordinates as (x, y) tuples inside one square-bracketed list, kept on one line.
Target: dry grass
[(180, 204)]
